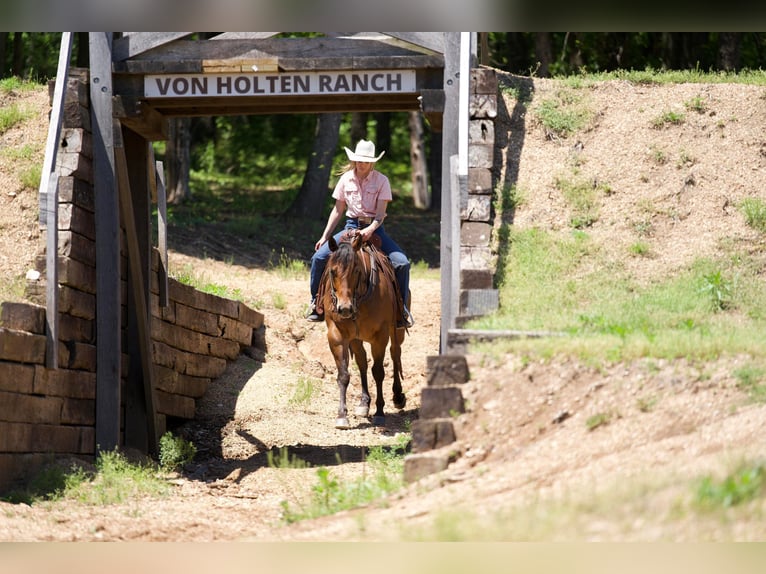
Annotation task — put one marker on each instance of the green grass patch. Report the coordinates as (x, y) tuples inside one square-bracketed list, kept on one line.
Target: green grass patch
[(11, 116), (754, 210), (189, 277), (382, 475), (668, 118), (113, 480), (563, 114), (305, 390), (744, 484), (565, 284), (175, 451), (751, 379), (689, 76), (16, 84)]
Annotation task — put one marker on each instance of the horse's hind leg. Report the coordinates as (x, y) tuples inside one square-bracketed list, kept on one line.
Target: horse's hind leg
[(357, 349)]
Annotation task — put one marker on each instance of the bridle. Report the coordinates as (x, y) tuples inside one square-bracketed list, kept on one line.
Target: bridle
[(372, 283)]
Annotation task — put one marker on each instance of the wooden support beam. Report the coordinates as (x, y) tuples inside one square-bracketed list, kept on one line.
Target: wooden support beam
[(162, 233), (132, 44), (450, 200), (49, 203), (108, 304), (138, 286)]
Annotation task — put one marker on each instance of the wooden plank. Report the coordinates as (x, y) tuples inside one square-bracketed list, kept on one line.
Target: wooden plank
[(49, 200), (132, 44), (186, 64), (248, 65), (244, 35), (450, 201), (139, 287), (432, 42), (108, 307), (162, 234), (141, 117)]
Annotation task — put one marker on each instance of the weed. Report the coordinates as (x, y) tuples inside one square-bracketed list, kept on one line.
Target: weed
[(658, 156), (12, 115), (749, 379), (288, 268), (282, 459), (564, 114), (329, 495), (30, 176), (754, 210), (187, 276), (597, 420), (718, 288), (279, 301), (668, 118), (742, 485), (582, 196), (175, 452), (646, 404), (640, 249), (304, 391), (685, 160), (696, 104)]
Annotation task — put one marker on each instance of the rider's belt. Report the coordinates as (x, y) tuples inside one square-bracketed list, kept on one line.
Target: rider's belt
[(364, 220)]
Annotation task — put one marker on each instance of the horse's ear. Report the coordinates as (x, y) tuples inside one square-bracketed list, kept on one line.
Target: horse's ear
[(332, 244)]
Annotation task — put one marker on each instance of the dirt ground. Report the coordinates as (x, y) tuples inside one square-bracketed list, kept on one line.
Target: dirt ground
[(527, 467)]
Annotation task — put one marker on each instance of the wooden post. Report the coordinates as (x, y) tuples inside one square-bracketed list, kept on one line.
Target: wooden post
[(49, 202), (450, 201), (162, 234), (108, 304), (135, 217)]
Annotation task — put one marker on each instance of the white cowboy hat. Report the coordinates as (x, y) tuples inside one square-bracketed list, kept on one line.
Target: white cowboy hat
[(365, 151)]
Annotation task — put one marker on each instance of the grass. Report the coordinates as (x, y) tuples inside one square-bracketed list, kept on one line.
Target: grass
[(711, 308), (754, 210), (668, 118), (11, 116), (564, 114), (382, 475), (112, 481), (305, 390), (188, 276)]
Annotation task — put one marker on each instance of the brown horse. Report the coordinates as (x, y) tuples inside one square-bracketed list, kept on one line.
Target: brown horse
[(360, 304)]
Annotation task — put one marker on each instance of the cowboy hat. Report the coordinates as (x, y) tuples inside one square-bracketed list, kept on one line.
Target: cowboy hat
[(365, 151)]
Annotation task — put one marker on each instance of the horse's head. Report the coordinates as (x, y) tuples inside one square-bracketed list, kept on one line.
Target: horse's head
[(347, 276)]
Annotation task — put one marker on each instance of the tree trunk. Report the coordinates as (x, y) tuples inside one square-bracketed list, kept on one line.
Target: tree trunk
[(383, 132), (420, 195), (178, 159), (728, 51), (3, 41), (358, 128), (543, 53), (17, 63), (435, 169), (311, 199)]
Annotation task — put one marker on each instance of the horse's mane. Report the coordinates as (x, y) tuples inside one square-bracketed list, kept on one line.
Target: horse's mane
[(344, 255)]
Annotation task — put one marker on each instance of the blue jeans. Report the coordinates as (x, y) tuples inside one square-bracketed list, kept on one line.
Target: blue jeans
[(388, 246)]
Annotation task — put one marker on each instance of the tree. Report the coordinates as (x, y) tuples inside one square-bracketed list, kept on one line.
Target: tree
[(729, 51), (419, 169), (178, 160), (311, 198)]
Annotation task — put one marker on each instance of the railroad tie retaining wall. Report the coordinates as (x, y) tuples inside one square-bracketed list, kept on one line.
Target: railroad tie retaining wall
[(46, 413)]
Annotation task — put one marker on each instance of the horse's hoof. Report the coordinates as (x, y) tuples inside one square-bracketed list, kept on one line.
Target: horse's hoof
[(379, 421), (342, 423), (400, 402), (362, 411)]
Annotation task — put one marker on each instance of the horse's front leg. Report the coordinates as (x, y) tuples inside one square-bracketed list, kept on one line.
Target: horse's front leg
[(340, 354), (378, 373), (357, 349), (400, 399)]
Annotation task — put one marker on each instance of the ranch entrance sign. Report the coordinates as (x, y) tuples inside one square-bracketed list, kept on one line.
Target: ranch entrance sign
[(310, 83)]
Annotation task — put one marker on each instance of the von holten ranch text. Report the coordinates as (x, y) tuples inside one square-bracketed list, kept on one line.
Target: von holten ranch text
[(190, 85)]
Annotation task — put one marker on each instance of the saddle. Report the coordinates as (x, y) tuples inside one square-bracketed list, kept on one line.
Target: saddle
[(378, 259)]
